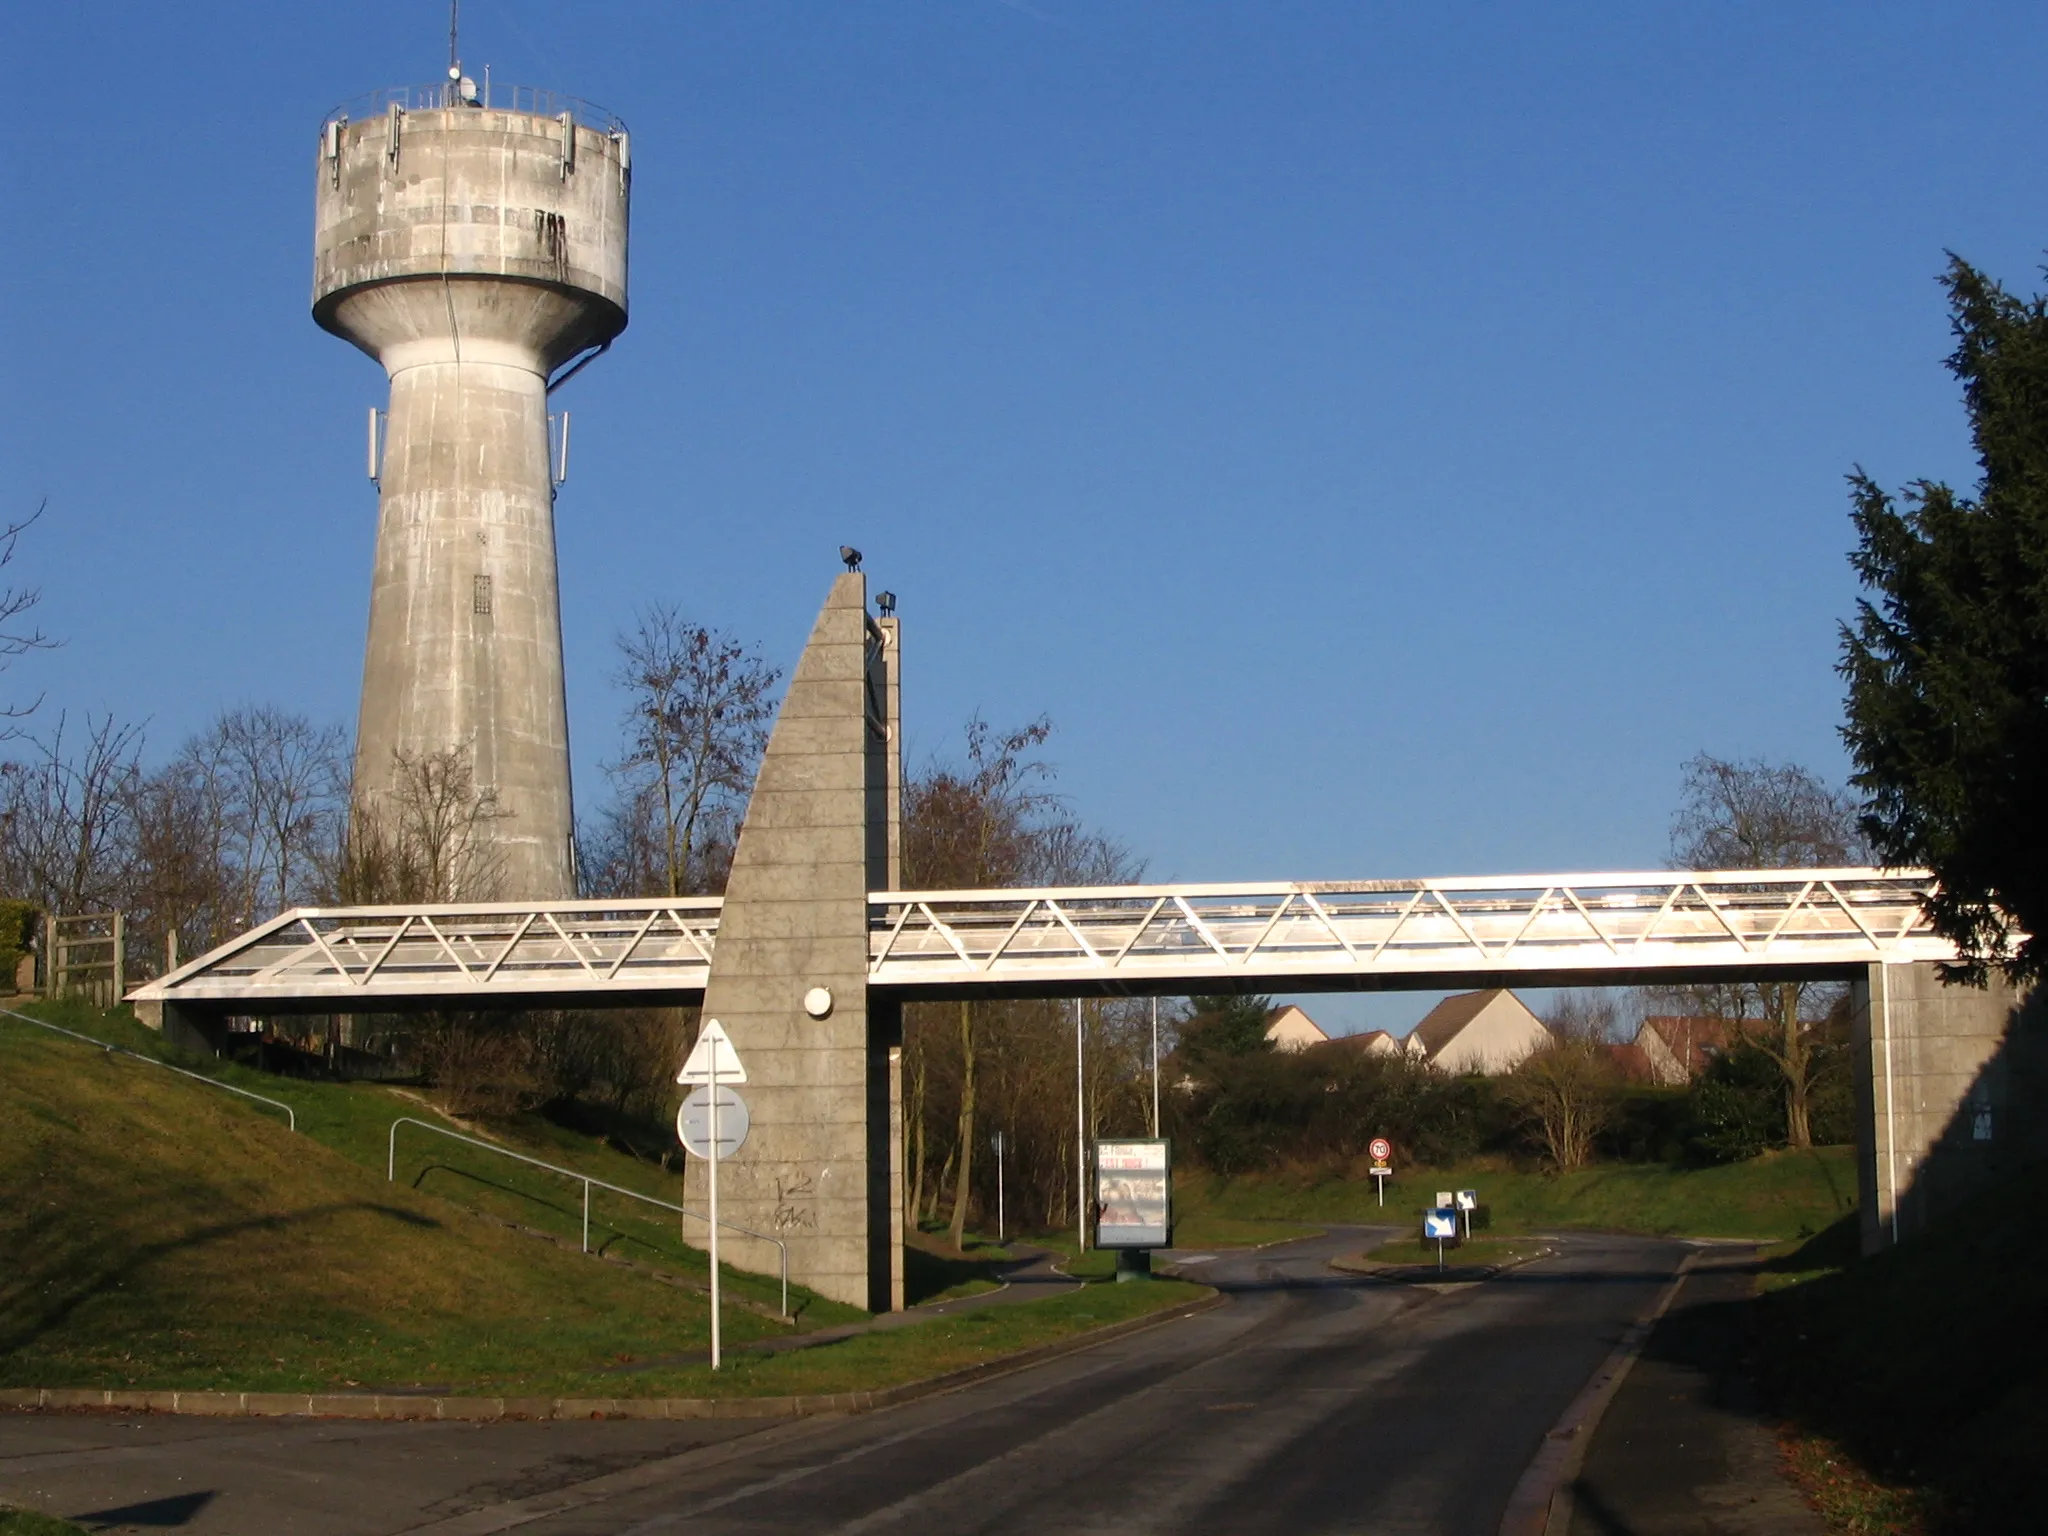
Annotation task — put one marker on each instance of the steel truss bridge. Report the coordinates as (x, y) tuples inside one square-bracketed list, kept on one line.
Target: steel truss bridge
[(1542, 930)]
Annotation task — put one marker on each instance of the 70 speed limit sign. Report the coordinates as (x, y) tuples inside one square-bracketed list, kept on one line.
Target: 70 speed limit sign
[(1380, 1148)]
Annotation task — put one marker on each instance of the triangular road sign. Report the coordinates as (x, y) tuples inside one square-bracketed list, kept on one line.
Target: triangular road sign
[(712, 1049)]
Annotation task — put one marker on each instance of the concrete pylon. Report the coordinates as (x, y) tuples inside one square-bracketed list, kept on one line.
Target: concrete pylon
[(472, 251), (821, 1169), (1948, 1096)]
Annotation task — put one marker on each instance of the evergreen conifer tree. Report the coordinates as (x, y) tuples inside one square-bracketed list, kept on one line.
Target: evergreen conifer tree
[(1947, 661)]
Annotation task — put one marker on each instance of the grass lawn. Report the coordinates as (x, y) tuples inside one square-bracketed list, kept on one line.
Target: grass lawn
[(1782, 1195), (164, 1235), (21, 1522), (1204, 1228), (933, 1270), (1480, 1250)]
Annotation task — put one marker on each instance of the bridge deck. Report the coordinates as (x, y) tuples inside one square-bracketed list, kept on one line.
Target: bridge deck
[(1284, 936)]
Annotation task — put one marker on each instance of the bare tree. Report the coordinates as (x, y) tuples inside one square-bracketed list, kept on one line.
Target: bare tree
[(1761, 815), (182, 878), (426, 837), (623, 851), (973, 826), (1564, 1088), (17, 635), (64, 834), (696, 725), (1592, 1015), (282, 777)]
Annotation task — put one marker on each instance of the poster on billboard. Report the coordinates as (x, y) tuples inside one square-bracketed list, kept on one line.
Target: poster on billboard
[(1133, 1194)]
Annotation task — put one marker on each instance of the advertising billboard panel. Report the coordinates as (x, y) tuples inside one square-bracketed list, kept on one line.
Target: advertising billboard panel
[(1133, 1194)]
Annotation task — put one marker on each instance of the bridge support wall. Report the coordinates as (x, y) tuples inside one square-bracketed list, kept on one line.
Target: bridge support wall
[(1947, 1093), (820, 1169)]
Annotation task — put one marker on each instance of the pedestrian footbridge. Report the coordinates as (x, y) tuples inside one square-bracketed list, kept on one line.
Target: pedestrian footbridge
[(1585, 929), (809, 958)]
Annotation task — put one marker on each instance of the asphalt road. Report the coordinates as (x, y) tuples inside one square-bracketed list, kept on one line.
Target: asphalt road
[(1311, 1403)]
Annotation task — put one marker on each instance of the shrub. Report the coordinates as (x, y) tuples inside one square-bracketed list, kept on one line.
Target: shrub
[(17, 934), (1738, 1107)]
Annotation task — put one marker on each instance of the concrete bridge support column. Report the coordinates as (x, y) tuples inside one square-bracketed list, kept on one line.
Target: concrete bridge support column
[(1937, 1086), (788, 978)]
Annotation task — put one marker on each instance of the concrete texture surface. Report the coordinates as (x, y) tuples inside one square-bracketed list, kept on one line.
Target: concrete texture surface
[(819, 1169), (1942, 1111), (1310, 1402), (468, 254)]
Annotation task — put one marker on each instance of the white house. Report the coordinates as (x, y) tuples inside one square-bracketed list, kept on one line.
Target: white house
[(1289, 1029), (1678, 1049), (1373, 1042), (1488, 1032)]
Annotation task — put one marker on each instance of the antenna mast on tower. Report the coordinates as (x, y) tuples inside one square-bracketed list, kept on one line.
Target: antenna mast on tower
[(454, 56)]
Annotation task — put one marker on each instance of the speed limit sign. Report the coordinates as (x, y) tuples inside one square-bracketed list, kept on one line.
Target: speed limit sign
[(1380, 1148)]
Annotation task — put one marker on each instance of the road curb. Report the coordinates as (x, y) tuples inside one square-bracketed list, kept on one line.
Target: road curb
[(1541, 1504), (398, 1406)]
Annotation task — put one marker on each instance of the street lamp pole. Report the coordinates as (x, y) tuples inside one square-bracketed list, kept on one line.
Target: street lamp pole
[(1155, 1068), (1080, 1134)]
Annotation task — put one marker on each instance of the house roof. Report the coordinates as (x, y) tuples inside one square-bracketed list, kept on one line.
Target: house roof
[(1363, 1041), (1443, 1022), (1691, 1038), (1289, 1020), (1632, 1061)]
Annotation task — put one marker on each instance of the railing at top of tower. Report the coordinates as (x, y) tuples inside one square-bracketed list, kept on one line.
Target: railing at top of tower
[(492, 96)]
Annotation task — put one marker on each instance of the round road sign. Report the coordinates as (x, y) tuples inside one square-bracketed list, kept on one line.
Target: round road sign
[(693, 1122), (1380, 1148)]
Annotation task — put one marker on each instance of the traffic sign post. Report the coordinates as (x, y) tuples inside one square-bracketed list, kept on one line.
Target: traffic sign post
[(713, 1059), (1382, 1151), (693, 1121), (1468, 1202), (1440, 1223)]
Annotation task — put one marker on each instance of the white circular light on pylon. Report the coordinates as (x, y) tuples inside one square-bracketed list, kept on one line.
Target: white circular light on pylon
[(818, 1002)]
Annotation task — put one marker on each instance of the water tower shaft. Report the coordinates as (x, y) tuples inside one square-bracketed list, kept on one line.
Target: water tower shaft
[(472, 250)]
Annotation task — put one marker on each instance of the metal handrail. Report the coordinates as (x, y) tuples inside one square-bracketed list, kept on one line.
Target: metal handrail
[(391, 1175), (291, 1118), (499, 96)]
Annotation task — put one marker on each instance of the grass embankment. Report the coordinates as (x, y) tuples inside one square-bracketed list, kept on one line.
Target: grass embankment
[(164, 1235), (355, 1120), (1781, 1195), (1916, 1381)]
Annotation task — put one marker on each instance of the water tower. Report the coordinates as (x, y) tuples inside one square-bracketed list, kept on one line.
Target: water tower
[(473, 242)]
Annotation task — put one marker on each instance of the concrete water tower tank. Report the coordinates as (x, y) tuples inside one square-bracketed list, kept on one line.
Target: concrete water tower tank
[(475, 245)]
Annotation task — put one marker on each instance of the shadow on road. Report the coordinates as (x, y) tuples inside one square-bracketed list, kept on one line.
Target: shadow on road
[(157, 1514)]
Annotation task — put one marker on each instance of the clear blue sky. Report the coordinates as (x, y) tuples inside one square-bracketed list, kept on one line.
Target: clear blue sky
[(1385, 439)]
